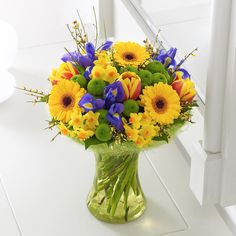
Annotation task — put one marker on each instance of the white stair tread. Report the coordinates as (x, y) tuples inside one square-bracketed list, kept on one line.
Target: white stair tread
[(8, 225)]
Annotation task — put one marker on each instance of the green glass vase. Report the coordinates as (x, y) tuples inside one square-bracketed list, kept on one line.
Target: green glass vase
[(116, 195)]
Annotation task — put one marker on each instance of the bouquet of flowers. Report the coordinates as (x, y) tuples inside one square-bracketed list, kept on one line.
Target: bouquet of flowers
[(118, 97)]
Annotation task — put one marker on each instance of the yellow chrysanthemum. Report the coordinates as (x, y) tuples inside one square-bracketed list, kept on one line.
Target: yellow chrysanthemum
[(98, 72), (141, 142), (132, 134), (84, 134), (77, 120), (111, 74), (91, 120), (146, 119), (130, 54), (63, 129), (162, 103), (148, 132), (135, 120), (63, 98), (103, 59)]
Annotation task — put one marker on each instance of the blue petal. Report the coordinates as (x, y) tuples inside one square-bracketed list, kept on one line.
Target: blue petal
[(88, 72), (114, 117), (72, 56), (116, 108), (89, 48), (116, 121), (171, 52), (85, 100), (107, 45), (85, 61), (185, 73), (117, 91), (99, 104), (90, 104)]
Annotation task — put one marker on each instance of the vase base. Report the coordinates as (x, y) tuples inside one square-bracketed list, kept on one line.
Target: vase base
[(98, 213)]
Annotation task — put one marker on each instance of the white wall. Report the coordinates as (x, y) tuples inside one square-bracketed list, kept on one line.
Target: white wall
[(160, 5), (126, 27), (44, 21)]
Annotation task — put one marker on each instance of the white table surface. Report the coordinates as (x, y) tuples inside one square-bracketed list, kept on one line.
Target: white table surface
[(47, 183)]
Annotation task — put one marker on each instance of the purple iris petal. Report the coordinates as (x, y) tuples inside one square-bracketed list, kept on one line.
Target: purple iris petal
[(116, 108), (185, 73), (107, 45), (114, 117), (90, 104), (90, 49), (171, 53), (88, 72), (72, 56), (114, 93), (85, 60)]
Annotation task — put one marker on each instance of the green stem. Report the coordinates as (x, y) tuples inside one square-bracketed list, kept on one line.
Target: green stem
[(120, 186)]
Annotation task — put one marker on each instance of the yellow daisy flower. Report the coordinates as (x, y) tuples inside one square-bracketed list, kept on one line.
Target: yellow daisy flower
[(161, 102), (130, 54), (63, 98)]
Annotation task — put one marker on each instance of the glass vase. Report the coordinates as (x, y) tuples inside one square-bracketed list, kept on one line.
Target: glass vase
[(116, 195)]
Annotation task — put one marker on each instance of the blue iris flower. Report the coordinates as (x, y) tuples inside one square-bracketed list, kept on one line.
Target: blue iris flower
[(90, 104), (83, 60), (185, 73), (71, 57), (114, 93), (87, 59), (114, 116), (106, 46), (88, 72), (90, 49), (164, 55)]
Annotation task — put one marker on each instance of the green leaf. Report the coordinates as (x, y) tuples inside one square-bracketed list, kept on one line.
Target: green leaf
[(162, 137), (80, 69), (93, 141), (45, 98), (179, 121)]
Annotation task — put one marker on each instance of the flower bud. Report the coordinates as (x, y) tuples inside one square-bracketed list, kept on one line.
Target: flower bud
[(185, 88), (131, 84)]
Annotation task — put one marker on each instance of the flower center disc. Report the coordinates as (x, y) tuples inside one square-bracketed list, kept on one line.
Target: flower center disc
[(160, 104), (67, 100), (129, 56)]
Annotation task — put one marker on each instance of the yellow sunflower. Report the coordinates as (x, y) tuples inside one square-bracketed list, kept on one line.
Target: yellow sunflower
[(162, 103), (63, 98), (130, 54)]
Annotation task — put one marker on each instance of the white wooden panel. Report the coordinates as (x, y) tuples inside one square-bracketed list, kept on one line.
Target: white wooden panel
[(228, 195)]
